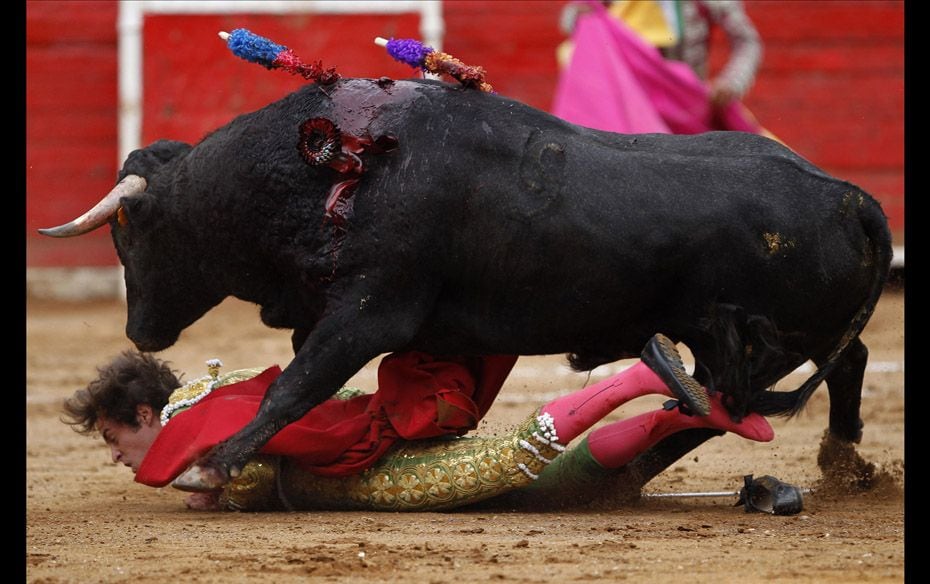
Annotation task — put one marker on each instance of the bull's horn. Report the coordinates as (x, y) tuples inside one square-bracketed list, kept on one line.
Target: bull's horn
[(102, 211)]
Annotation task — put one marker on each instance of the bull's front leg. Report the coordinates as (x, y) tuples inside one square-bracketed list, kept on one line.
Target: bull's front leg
[(340, 345), (298, 338)]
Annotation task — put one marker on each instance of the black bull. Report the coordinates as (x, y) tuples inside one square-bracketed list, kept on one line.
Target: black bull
[(468, 223)]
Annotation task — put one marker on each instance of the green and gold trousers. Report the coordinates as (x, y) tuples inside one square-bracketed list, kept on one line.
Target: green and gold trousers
[(426, 475)]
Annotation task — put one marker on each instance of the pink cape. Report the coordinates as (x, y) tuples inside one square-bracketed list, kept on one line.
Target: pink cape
[(418, 396), (619, 83)]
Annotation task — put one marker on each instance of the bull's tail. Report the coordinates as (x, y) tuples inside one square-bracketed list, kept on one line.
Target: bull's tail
[(875, 225)]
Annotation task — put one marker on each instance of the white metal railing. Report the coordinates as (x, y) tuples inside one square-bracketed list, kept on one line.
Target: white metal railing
[(132, 13)]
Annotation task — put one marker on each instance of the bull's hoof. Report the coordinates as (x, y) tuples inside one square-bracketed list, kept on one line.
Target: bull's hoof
[(844, 470), (857, 438), (202, 479)]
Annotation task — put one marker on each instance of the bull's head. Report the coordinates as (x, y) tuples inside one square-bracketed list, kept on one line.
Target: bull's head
[(167, 286)]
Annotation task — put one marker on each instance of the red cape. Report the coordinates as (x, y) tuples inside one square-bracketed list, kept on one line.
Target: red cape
[(419, 396)]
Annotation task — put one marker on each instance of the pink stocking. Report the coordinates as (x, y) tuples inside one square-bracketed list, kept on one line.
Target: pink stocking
[(618, 443), (575, 413)]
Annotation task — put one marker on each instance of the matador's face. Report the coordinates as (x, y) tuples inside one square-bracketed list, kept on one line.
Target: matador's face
[(129, 445)]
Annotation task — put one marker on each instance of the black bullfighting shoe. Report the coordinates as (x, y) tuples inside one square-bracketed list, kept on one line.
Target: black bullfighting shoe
[(770, 495), (662, 357)]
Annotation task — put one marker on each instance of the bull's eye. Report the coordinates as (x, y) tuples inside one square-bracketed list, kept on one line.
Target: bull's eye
[(320, 141), (121, 217)]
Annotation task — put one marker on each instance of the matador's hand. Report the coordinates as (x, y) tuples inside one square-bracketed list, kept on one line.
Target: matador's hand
[(203, 501), (721, 94)]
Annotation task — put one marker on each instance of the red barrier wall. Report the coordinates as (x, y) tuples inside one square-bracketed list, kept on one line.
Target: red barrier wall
[(831, 86), (71, 125)]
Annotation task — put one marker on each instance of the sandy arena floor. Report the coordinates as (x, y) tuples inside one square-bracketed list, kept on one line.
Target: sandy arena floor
[(88, 522)]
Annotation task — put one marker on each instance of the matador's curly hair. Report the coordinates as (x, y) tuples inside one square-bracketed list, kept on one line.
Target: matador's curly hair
[(129, 380)]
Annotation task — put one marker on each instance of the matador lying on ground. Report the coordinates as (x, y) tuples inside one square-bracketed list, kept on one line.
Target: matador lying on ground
[(399, 449)]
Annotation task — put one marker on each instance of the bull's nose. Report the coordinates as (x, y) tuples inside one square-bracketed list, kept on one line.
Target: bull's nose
[(148, 343), (151, 346)]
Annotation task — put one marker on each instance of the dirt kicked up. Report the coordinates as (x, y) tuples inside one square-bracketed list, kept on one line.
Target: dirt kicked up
[(86, 521)]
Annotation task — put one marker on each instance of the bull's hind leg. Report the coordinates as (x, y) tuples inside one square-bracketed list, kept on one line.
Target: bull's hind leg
[(844, 384), (842, 467)]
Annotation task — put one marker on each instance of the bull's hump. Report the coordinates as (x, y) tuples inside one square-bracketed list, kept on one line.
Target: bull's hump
[(358, 103)]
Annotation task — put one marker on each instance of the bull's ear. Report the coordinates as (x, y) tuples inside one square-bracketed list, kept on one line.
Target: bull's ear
[(138, 211)]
